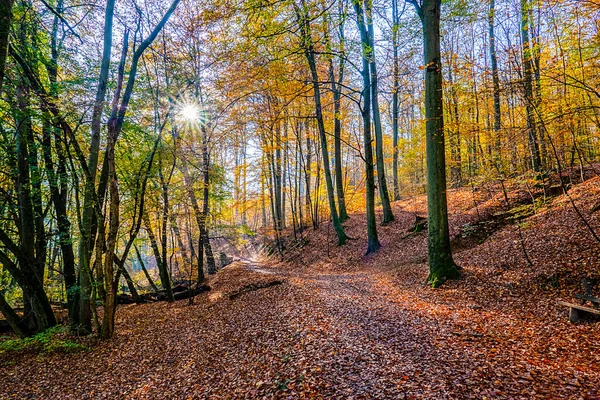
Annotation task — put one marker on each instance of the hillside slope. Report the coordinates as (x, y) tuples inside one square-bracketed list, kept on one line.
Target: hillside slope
[(341, 325)]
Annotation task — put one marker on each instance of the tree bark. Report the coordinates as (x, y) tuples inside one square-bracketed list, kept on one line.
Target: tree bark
[(336, 90), (372, 238), (83, 324), (368, 39), (395, 95), (441, 263), (210, 259), (307, 44), (528, 88), (162, 267), (5, 25), (495, 80)]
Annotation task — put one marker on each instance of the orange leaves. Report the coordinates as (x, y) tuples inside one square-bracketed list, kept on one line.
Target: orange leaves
[(348, 326)]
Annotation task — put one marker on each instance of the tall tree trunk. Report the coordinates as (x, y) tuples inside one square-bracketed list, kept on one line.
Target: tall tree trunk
[(57, 180), (495, 81), (372, 238), (211, 267), (298, 177), (197, 212), (5, 25), (309, 53), (32, 243), (336, 89), (441, 263), (108, 318), (84, 322), (262, 200), (456, 160), (528, 87), (284, 172), (395, 94), (368, 39), (308, 178)]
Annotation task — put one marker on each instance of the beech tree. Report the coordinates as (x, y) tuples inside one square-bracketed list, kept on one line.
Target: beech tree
[(441, 263)]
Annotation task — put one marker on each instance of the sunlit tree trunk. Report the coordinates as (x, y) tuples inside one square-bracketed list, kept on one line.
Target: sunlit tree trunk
[(210, 259), (455, 140)]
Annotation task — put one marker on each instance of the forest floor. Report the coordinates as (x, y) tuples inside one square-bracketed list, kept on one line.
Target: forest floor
[(345, 326)]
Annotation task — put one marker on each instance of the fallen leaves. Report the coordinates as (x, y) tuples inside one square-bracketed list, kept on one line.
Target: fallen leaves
[(354, 327)]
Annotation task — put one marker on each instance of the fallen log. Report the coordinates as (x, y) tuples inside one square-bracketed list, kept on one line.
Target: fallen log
[(183, 293), (125, 299), (252, 287), (191, 293)]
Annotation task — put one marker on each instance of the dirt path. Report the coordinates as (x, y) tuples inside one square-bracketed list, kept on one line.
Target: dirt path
[(318, 335)]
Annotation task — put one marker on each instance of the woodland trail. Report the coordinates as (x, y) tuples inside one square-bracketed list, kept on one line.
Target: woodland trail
[(347, 335)]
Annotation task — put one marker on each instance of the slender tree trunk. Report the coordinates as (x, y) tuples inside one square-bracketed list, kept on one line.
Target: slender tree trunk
[(198, 214), (5, 25), (495, 81), (262, 200), (369, 53), (299, 163), (210, 259), (336, 89), (528, 86), (395, 94), (57, 180), (456, 166), (308, 179), (283, 169), (84, 323), (122, 270), (303, 20), (181, 247), (372, 238), (108, 318)]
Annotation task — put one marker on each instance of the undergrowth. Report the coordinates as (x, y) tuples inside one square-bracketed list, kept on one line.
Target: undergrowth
[(53, 340)]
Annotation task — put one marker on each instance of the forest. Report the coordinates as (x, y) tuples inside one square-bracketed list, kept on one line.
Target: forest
[(300, 199)]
